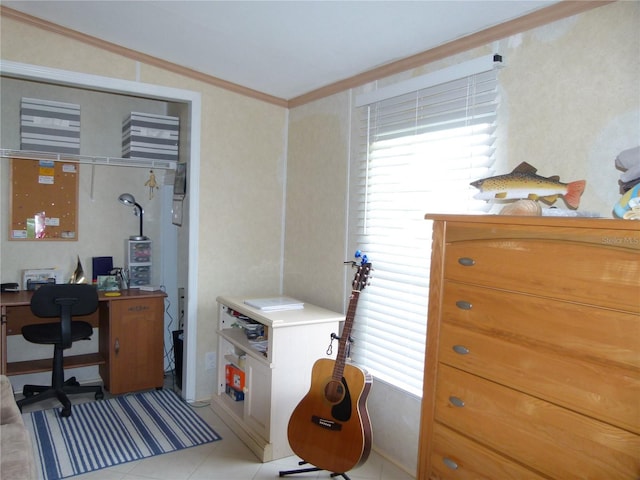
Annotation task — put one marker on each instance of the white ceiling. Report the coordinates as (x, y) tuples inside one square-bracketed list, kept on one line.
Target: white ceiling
[(281, 48)]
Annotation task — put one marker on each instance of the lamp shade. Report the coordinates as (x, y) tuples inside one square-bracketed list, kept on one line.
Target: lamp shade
[(129, 200)]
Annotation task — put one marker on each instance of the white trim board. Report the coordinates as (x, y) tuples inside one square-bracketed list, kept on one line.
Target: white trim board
[(454, 72)]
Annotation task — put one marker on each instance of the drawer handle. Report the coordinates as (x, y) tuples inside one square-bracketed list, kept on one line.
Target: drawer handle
[(466, 261), (456, 401), (462, 305), (460, 349), (450, 463)]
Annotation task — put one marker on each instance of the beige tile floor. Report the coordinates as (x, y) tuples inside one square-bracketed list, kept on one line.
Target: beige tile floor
[(228, 459)]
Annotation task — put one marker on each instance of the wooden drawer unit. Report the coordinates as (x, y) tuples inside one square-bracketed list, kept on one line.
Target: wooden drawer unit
[(601, 334), (471, 461), (550, 439), (532, 367), (560, 266), (601, 391)]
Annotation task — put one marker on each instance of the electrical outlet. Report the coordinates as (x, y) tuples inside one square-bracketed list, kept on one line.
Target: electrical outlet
[(210, 360)]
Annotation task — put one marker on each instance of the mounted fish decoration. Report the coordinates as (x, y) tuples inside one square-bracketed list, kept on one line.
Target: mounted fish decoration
[(523, 183)]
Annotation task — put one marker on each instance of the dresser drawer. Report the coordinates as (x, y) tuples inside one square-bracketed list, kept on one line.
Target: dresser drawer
[(556, 441), (582, 331), (581, 272), (607, 393), (455, 457)]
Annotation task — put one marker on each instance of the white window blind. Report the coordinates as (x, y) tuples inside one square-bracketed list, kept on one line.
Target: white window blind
[(417, 153)]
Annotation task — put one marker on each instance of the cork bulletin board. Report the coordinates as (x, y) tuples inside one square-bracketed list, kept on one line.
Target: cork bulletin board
[(44, 200)]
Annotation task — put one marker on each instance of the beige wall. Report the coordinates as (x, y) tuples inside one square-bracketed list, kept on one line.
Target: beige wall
[(572, 98), (570, 104), (241, 182), (317, 180)]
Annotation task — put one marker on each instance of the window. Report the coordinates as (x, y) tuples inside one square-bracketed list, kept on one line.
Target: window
[(416, 153)]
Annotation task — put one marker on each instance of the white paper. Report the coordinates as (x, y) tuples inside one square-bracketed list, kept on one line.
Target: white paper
[(275, 303)]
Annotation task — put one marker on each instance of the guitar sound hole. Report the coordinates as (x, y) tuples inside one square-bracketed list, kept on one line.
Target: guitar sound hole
[(334, 391)]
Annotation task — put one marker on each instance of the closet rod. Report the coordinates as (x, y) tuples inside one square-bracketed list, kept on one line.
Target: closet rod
[(89, 159)]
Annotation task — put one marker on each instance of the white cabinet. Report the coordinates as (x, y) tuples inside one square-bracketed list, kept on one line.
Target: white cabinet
[(273, 371), (257, 402)]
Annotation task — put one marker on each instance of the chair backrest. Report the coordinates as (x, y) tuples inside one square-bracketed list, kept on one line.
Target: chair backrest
[(50, 300), (64, 301)]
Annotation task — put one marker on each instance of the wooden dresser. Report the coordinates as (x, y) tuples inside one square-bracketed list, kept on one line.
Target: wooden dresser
[(532, 368)]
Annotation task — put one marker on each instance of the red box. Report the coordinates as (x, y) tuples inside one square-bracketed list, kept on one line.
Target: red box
[(234, 377)]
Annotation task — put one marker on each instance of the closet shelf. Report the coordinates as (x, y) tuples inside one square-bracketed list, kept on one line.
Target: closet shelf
[(89, 159)]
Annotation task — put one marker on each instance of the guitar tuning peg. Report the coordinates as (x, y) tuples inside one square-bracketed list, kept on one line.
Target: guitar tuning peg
[(364, 258)]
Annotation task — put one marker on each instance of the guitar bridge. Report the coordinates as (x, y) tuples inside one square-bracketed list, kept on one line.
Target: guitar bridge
[(324, 423)]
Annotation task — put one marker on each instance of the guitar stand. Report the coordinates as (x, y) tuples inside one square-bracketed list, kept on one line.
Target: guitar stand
[(311, 469)]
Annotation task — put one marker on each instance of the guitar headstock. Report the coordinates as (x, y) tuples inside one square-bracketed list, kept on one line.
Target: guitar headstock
[(362, 276)]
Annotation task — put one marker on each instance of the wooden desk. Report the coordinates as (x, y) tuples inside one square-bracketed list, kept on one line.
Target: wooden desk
[(130, 355)]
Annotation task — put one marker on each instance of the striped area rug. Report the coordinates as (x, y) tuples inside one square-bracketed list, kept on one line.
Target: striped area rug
[(104, 433)]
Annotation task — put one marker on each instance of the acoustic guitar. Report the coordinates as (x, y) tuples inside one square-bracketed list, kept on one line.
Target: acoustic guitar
[(330, 427)]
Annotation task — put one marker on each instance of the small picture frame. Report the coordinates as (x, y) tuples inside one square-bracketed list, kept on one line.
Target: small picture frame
[(176, 212), (107, 283), (180, 180)]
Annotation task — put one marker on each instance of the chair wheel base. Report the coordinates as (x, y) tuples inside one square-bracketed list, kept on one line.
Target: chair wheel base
[(35, 393), (72, 382)]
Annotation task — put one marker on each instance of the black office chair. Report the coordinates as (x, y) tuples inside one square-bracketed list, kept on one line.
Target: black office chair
[(64, 301)]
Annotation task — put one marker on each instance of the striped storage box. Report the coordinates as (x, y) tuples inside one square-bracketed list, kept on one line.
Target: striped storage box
[(47, 126), (145, 135)]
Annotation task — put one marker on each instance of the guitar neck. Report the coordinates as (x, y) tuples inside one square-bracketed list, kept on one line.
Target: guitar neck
[(343, 349)]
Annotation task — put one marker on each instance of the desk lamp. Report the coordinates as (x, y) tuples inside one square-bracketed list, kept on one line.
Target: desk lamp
[(128, 200)]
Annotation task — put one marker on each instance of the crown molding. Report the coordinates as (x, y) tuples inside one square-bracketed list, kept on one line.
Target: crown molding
[(552, 13), (138, 56), (557, 11)]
